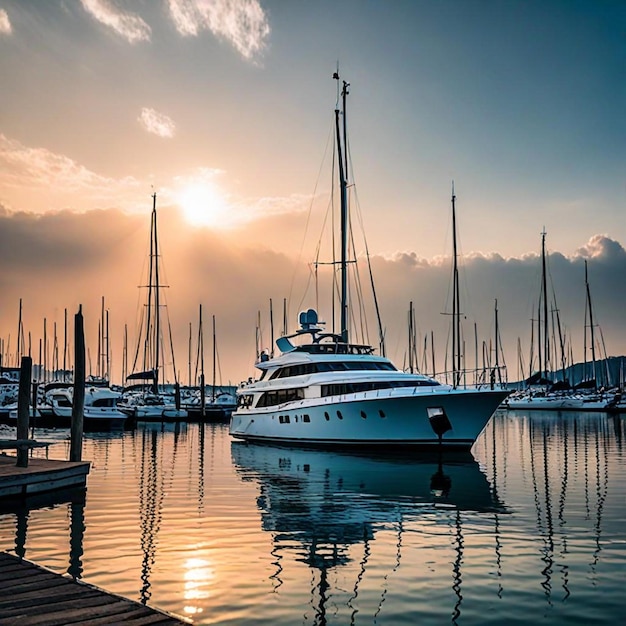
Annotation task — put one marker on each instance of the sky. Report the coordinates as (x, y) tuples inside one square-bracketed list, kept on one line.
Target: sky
[(225, 110)]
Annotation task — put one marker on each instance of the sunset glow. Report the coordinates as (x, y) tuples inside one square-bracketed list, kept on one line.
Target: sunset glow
[(204, 205), (225, 110)]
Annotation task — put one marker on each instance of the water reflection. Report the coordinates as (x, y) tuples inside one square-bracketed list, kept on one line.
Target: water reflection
[(566, 458), (319, 504), (530, 524), (73, 498)]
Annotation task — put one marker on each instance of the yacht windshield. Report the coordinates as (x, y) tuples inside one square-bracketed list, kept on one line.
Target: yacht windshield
[(330, 366)]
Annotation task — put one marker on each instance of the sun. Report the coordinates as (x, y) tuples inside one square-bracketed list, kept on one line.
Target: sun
[(204, 205)]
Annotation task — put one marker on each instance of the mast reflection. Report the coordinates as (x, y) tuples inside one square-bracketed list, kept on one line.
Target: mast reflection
[(318, 505), (568, 468)]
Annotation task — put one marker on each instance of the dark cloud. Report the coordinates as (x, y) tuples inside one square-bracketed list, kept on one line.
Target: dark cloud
[(56, 262)]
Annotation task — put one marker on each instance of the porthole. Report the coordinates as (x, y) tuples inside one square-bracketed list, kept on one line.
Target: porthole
[(382, 413), (339, 415), (326, 415), (363, 415)]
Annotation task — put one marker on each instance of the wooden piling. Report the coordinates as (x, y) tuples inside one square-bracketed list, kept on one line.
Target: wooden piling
[(23, 408), (78, 402), (34, 404)]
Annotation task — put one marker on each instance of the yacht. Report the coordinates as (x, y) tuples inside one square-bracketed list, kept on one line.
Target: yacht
[(100, 411), (331, 392), (323, 389)]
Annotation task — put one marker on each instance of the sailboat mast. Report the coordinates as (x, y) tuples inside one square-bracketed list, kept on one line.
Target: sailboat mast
[(411, 337), (214, 359), (20, 337), (271, 329), (157, 312), (496, 339), (201, 351), (591, 332), (344, 215), (546, 350), (64, 344), (432, 351), (456, 318)]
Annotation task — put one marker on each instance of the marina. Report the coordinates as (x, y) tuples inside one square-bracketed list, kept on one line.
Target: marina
[(528, 526), (260, 364)]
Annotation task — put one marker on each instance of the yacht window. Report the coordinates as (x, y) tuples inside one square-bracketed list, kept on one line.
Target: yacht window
[(344, 388), (302, 369), (271, 398), (103, 402), (245, 400)]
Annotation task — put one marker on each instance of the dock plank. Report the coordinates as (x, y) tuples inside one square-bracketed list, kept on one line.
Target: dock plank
[(31, 595), (41, 475)]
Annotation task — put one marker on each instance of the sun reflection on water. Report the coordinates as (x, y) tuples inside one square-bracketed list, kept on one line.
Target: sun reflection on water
[(198, 575)]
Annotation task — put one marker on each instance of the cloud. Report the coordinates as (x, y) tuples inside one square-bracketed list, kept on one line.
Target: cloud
[(131, 27), (48, 180), (39, 166), (60, 260), (36, 179), (157, 123), (243, 23), (600, 247), (5, 23)]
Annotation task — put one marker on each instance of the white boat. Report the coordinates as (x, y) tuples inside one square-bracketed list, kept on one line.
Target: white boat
[(328, 391), (601, 401), (148, 407), (324, 389), (100, 410)]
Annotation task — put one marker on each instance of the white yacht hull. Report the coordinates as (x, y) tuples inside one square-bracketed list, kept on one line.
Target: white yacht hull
[(394, 417)]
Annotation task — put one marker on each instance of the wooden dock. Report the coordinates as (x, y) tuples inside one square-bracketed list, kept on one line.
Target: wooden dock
[(32, 595), (40, 476)]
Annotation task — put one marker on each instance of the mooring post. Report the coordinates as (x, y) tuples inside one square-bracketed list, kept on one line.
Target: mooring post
[(23, 409), (34, 405), (78, 402)]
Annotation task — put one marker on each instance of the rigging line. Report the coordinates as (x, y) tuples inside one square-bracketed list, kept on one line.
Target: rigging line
[(140, 311), (146, 348), (312, 272), (359, 293), (169, 326), (381, 334), (308, 218), (199, 354), (219, 366)]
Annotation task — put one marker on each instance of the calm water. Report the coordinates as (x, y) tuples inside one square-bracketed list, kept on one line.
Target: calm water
[(530, 527)]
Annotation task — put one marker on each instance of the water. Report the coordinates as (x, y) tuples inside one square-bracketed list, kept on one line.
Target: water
[(530, 527)]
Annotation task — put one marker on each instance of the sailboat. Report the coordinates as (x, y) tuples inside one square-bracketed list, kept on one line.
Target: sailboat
[(218, 406), (150, 399), (324, 389), (543, 395)]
